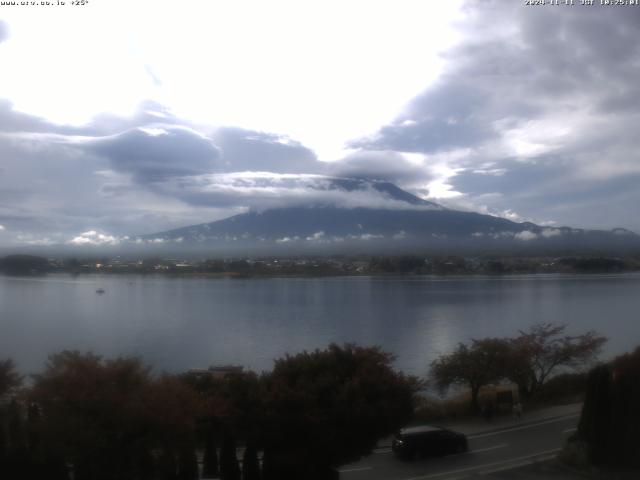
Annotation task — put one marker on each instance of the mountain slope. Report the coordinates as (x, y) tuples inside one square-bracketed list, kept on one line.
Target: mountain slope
[(420, 224)]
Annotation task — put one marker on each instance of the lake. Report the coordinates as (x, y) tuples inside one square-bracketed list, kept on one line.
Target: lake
[(177, 323)]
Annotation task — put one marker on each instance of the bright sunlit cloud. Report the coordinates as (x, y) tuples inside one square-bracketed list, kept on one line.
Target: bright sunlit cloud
[(321, 72)]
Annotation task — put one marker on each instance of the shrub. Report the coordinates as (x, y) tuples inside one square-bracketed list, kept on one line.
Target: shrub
[(563, 388), (610, 421)]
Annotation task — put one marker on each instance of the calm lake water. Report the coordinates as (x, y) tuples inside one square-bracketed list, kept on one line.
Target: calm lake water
[(179, 323)]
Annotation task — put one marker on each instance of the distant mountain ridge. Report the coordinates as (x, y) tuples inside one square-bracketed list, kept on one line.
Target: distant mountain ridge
[(422, 224)]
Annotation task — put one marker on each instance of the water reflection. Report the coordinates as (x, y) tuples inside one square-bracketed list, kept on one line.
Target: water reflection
[(180, 323)]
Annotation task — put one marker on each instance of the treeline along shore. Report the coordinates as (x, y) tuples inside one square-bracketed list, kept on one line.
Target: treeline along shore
[(336, 265)]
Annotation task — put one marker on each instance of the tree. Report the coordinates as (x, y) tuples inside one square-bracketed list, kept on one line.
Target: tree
[(595, 419), (167, 465), (625, 418), (210, 458), (107, 417), (482, 363), (250, 463), (10, 380), (610, 420), (13, 435), (4, 447), (229, 468), (528, 360), (23, 264), (188, 464), (16, 455), (330, 407), (539, 352), (232, 403)]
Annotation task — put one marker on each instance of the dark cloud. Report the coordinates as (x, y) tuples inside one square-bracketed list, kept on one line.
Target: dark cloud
[(38, 183), (381, 165), (512, 178), (443, 118), (110, 175), (184, 150), (542, 102), (156, 153), (57, 180), (151, 172), (52, 189), (542, 193), (259, 151), (549, 59)]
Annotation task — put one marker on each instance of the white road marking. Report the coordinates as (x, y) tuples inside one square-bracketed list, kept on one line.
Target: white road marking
[(494, 447), (504, 463), (502, 445), (358, 469), (382, 451), (523, 427), (567, 430), (517, 464)]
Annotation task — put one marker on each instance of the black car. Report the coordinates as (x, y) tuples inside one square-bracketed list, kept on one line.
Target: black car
[(428, 441)]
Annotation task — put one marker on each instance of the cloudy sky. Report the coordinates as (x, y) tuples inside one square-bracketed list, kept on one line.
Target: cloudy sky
[(122, 117)]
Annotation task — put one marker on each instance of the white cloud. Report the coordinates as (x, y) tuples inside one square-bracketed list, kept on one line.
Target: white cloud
[(526, 236), (316, 236), (93, 237), (365, 236), (264, 190), (287, 239), (511, 215), (397, 167), (551, 232), (275, 69)]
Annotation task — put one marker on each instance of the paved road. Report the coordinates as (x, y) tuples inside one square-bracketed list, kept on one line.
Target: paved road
[(489, 452)]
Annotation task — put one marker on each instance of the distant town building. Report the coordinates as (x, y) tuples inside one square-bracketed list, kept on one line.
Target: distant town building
[(218, 371)]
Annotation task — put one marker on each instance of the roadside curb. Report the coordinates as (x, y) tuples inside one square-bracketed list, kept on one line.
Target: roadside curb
[(536, 459), (574, 471), (519, 424)]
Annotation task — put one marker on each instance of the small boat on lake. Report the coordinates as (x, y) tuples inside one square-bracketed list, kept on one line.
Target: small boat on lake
[(100, 291)]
